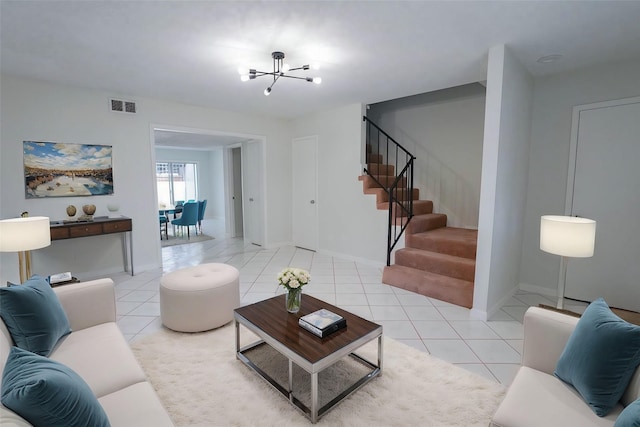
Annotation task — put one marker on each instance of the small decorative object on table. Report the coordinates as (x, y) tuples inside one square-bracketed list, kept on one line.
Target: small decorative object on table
[(113, 210), (71, 211), (88, 210), (322, 322), (293, 279)]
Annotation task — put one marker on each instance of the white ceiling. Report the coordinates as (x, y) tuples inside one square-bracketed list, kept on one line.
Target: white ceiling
[(367, 51)]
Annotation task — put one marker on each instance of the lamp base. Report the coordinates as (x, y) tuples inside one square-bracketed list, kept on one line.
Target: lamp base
[(24, 265), (562, 279)]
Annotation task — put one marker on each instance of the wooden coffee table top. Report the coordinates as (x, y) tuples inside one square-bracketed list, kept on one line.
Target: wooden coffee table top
[(271, 317)]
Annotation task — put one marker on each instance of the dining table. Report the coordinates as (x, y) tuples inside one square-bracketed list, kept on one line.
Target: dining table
[(164, 209)]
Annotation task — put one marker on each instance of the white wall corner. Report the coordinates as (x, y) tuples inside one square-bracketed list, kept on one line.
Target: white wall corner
[(478, 314), (489, 176)]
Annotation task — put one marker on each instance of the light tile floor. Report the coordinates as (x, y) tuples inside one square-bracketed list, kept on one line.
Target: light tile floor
[(491, 349)]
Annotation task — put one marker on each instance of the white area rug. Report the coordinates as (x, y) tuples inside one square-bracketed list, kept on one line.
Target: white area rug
[(201, 383)]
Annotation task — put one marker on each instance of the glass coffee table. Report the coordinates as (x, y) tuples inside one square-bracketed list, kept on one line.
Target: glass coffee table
[(279, 329)]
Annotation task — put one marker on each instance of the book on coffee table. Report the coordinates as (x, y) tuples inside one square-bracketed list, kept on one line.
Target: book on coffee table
[(322, 322), (60, 277)]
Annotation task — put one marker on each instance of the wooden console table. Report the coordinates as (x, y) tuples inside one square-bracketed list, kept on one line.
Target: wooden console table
[(61, 230)]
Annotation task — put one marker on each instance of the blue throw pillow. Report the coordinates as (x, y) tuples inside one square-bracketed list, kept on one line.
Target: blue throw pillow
[(630, 417), (600, 357), (33, 315), (47, 393)]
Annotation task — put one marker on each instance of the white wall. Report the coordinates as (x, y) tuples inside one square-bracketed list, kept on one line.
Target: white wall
[(349, 223), (554, 99), (444, 130), (210, 175), (40, 111), (504, 180)]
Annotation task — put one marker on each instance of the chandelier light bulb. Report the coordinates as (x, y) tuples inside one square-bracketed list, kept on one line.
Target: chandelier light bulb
[(285, 68), (267, 91), (243, 70), (244, 77), (317, 80)]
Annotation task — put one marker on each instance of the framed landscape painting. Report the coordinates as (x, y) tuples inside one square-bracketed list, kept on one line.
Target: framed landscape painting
[(53, 169)]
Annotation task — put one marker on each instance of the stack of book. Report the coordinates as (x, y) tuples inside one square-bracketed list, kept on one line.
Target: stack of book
[(62, 279), (322, 322)]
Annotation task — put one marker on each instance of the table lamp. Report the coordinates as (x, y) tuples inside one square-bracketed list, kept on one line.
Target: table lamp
[(567, 236), (23, 235)]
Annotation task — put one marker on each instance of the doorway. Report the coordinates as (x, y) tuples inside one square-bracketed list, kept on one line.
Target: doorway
[(602, 185), (221, 160), (252, 192), (305, 207), (236, 195)]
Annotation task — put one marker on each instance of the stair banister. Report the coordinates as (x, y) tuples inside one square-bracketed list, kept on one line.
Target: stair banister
[(404, 178)]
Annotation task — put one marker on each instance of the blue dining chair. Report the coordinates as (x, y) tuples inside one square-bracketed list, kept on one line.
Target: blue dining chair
[(164, 221), (178, 208), (189, 217), (202, 205)]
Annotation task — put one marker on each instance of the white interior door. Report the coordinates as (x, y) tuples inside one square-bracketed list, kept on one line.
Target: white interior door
[(606, 188), (252, 192), (236, 198), (305, 207)]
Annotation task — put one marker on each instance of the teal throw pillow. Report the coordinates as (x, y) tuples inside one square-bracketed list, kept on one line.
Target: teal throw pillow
[(33, 315), (630, 417), (47, 393), (600, 357)]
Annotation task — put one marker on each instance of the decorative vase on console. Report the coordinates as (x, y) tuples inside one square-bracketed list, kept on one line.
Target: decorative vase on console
[(71, 211), (113, 210), (88, 210), (293, 279)]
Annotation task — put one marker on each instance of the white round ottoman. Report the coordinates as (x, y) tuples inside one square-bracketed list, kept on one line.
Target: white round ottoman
[(199, 298)]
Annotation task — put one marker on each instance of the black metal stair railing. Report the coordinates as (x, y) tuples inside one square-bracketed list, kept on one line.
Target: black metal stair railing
[(400, 191)]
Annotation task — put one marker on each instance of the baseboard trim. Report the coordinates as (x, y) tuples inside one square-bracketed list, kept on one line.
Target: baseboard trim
[(486, 315), (535, 289)]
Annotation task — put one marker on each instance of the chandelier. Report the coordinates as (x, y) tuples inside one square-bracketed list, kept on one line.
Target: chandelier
[(280, 69)]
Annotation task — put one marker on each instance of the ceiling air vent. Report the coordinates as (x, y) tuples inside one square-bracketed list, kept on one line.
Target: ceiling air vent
[(121, 106)]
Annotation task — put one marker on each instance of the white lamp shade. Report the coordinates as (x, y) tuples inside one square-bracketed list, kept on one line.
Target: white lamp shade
[(567, 235), (24, 234)]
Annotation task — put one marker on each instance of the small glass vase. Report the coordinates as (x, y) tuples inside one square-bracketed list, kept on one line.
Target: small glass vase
[(292, 300)]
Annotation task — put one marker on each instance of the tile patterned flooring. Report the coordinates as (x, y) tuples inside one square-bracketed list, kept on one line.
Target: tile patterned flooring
[(491, 349)]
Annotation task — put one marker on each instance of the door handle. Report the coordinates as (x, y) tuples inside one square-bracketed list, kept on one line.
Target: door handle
[(312, 202)]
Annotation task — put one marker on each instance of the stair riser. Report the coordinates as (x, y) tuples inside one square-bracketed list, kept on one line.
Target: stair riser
[(374, 158), (384, 181), (426, 223), (419, 208), (380, 169), (460, 268), (401, 195), (450, 290), (427, 243)]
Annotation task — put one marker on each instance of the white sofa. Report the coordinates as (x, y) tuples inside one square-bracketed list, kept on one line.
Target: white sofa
[(98, 352), (536, 397)]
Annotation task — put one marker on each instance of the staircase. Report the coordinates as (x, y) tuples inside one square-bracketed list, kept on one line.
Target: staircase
[(437, 261)]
